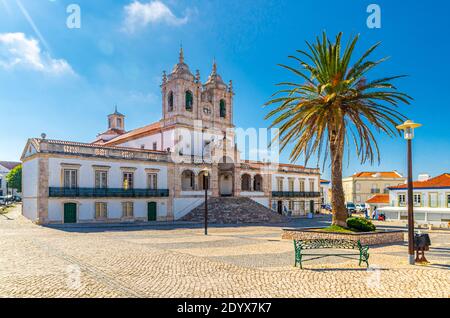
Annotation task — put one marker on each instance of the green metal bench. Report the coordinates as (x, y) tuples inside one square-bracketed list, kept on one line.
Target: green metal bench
[(301, 245)]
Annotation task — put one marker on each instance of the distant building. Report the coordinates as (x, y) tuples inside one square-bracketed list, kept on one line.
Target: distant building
[(361, 186), (5, 168), (431, 197), (377, 201), (325, 191)]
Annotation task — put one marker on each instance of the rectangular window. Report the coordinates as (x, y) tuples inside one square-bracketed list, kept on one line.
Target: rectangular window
[(291, 185), (375, 188), (70, 178), (302, 185), (402, 199), (128, 180), (417, 199), (311, 185), (127, 209), (280, 184), (152, 181), (358, 187), (448, 200), (155, 146), (101, 179), (291, 205), (433, 200), (101, 210)]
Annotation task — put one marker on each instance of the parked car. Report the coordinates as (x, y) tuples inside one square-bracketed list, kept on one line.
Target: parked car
[(2, 201), (17, 198), (351, 208), (361, 207), (326, 207)]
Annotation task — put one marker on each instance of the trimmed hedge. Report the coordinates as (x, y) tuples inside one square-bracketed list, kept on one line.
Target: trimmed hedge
[(360, 224)]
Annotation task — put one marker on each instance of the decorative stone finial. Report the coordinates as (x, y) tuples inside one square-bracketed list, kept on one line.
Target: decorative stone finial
[(214, 69), (181, 55), (164, 77), (230, 86)]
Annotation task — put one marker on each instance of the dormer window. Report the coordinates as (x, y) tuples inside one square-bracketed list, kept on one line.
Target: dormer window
[(119, 123), (170, 101), (223, 108), (189, 101)]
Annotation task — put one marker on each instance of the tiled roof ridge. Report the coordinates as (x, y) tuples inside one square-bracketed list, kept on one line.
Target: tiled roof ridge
[(434, 182)]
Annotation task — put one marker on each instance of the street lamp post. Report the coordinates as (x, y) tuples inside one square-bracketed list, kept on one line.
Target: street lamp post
[(205, 183), (408, 128)]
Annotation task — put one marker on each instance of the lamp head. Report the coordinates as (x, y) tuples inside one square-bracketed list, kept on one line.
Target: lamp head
[(408, 128)]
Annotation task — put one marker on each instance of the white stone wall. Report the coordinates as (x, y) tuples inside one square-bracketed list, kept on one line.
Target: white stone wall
[(30, 188), (86, 208), (86, 172), (296, 177), (425, 195)]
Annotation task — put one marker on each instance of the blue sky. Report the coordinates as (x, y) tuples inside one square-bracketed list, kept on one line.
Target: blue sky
[(65, 81)]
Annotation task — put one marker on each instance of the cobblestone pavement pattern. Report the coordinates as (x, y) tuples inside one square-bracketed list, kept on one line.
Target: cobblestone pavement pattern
[(170, 261)]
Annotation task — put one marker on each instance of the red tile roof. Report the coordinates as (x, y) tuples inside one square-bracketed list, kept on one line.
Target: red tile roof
[(378, 174), (136, 133), (379, 198), (441, 181), (9, 164)]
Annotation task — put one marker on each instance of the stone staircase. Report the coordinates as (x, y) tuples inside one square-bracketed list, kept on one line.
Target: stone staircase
[(233, 210)]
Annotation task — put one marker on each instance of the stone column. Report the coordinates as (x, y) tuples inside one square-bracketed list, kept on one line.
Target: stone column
[(214, 178), (237, 181), (42, 198), (171, 185)]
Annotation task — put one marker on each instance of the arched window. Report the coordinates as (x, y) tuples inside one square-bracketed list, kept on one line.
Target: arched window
[(257, 183), (170, 101), (189, 101), (187, 180), (246, 182), (223, 108), (202, 185)]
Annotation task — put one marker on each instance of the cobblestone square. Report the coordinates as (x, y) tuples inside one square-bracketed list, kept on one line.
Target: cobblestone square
[(179, 261)]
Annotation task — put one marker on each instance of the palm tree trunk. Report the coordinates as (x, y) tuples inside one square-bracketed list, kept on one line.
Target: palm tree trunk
[(337, 189)]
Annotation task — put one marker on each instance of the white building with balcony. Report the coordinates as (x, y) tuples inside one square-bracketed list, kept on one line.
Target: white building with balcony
[(431, 199)]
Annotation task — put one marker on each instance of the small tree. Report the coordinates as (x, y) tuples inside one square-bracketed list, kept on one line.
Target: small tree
[(14, 178)]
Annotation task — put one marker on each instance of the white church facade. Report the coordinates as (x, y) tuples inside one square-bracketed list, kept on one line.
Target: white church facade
[(159, 172)]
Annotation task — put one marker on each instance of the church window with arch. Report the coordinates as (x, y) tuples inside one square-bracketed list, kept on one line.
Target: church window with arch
[(223, 108), (170, 101), (189, 101)]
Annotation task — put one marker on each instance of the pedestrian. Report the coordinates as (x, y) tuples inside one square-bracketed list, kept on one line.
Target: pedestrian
[(374, 214)]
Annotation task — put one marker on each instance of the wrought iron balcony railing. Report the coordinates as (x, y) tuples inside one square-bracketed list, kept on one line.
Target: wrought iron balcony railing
[(105, 193), (295, 194)]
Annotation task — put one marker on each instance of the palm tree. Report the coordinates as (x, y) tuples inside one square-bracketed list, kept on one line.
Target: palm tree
[(333, 102)]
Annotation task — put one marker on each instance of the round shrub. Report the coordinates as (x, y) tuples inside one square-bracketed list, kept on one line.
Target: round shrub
[(360, 224)]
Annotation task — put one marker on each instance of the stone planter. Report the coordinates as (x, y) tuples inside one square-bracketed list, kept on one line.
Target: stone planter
[(366, 238)]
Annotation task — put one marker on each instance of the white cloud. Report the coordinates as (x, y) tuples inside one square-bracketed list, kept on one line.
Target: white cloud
[(18, 51), (139, 15)]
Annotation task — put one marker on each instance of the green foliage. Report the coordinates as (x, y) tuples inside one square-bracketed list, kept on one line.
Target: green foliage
[(14, 178), (334, 100), (337, 229), (360, 224)]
